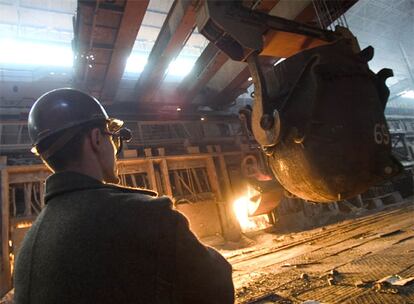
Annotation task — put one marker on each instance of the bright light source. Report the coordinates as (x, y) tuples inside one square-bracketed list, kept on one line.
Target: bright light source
[(24, 225), (178, 68), (181, 67), (90, 66), (243, 207), (178, 109), (241, 210), (407, 94), (279, 61), (250, 79), (202, 119), (14, 51), (136, 63)]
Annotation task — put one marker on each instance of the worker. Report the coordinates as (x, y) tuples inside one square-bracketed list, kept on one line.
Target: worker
[(98, 242)]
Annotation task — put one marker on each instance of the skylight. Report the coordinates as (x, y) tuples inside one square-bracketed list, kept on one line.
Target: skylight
[(31, 37), (150, 28), (136, 62), (185, 61), (20, 52)]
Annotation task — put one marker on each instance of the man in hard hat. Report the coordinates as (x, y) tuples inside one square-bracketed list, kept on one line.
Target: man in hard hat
[(97, 242)]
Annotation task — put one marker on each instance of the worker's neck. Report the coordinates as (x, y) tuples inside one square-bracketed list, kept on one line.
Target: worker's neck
[(87, 169)]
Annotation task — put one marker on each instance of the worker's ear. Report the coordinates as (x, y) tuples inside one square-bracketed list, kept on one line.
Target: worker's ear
[(95, 138)]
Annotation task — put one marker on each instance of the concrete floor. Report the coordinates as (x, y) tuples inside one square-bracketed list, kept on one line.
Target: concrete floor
[(296, 267)]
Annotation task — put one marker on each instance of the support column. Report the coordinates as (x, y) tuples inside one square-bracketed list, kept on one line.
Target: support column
[(226, 178), (166, 177), (5, 231), (151, 175), (231, 231), (233, 223), (27, 199), (213, 178)]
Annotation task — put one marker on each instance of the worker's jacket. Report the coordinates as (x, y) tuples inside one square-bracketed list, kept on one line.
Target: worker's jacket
[(101, 243)]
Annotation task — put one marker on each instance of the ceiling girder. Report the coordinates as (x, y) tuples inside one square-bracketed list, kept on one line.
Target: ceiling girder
[(205, 67), (104, 36), (127, 33), (177, 28), (238, 83), (211, 60)]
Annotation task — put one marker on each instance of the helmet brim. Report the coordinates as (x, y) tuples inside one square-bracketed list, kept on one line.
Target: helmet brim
[(113, 125)]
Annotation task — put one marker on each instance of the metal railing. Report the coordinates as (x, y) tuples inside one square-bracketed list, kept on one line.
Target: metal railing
[(14, 134)]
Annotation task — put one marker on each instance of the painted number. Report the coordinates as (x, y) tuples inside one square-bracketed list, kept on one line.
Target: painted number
[(381, 135)]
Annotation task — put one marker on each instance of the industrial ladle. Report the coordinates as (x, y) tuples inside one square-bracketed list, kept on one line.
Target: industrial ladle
[(319, 114)]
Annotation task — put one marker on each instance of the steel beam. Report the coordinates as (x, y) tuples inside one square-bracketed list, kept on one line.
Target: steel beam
[(177, 28), (104, 36), (205, 67), (131, 21), (210, 62), (236, 84)]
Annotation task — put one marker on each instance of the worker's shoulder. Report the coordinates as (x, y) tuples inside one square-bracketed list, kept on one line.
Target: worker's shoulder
[(131, 190), (130, 194)]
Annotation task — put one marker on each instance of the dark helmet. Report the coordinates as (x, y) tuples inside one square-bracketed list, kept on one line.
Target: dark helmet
[(67, 111)]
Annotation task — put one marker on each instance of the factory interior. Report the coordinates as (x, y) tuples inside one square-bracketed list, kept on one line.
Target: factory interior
[(282, 129)]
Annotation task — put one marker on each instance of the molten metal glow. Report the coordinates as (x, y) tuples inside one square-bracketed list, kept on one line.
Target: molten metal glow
[(11, 261), (24, 225), (243, 207)]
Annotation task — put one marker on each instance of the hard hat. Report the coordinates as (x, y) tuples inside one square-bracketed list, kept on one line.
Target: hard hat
[(64, 110)]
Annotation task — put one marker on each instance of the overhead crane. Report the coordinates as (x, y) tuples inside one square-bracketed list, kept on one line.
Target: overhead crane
[(318, 115)]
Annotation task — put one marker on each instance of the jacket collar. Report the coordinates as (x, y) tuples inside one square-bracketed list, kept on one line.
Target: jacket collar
[(69, 181)]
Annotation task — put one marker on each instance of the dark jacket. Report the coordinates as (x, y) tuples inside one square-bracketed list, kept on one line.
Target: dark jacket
[(100, 243)]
